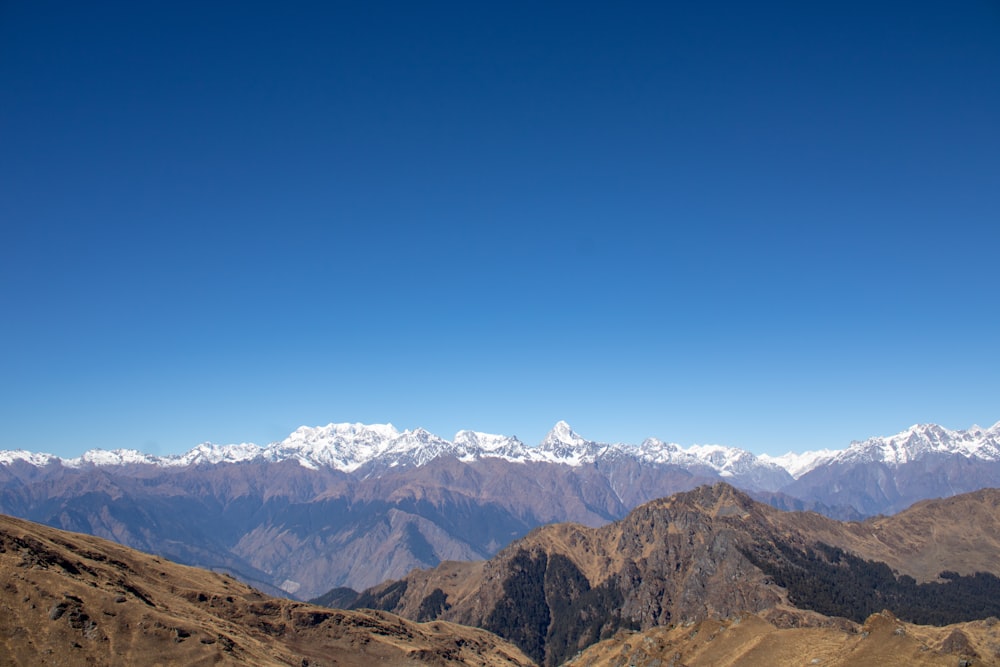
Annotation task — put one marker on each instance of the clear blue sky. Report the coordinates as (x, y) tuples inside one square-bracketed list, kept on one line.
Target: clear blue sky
[(772, 225)]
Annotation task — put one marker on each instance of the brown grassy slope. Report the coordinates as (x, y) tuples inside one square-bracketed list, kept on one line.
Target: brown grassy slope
[(680, 555), (71, 599), (687, 540), (961, 533), (789, 637)]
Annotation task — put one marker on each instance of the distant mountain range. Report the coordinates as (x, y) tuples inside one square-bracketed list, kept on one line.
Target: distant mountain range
[(353, 505), (376, 447)]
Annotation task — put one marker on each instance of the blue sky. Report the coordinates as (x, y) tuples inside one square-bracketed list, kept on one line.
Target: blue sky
[(770, 225)]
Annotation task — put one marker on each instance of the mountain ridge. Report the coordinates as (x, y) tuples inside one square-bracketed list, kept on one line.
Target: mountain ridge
[(713, 553), (349, 447)]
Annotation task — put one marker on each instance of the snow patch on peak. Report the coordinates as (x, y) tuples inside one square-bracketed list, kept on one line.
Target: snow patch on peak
[(657, 451), (38, 459), (343, 431), (114, 457), (350, 446), (727, 461), (208, 453), (343, 446), (799, 464), (560, 435), (473, 444), (564, 445), (921, 440), (478, 440)]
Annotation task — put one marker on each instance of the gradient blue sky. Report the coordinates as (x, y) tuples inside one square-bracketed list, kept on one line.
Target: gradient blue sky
[(772, 225)]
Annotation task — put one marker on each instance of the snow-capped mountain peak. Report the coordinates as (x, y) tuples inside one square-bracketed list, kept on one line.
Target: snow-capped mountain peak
[(350, 446), (657, 451), (114, 457), (564, 445), (724, 459), (473, 444), (208, 453), (8, 457), (342, 446), (799, 464), (561, 435), (486, 442), (922, 440)]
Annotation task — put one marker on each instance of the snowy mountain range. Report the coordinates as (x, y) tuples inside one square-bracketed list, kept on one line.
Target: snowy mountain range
[(349, 447), (355, 504)]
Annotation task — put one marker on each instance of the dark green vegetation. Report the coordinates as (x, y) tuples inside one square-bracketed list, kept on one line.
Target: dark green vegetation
[(385, 599), (522, 615), (433, 605), (833, 582), (337, 598), (550, 610)]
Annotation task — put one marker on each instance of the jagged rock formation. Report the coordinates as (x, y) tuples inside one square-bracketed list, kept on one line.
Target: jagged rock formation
[(70, 599)]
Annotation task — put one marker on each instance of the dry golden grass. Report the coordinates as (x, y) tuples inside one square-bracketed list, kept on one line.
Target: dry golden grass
[(765, 640), (69, 599)]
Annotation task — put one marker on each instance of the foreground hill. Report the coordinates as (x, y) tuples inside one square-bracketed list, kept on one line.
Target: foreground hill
[(712, 553), (70, 599), (354, 505), (792, 638)]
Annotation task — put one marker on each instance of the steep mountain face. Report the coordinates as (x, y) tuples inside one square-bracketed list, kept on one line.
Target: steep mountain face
[(709, 553), (72, 599), (353, 505)]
